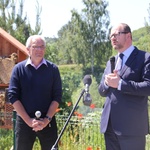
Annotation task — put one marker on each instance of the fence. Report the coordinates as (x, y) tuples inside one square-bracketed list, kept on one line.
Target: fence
[(81, 133)]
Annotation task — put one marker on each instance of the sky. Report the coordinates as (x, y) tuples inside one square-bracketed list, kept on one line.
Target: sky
[(56, 13)]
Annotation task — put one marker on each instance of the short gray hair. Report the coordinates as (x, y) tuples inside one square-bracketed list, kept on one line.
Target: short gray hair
[(30, 39)]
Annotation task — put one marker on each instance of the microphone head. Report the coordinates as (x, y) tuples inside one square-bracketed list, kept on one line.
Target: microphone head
[(87, 80), (112, 59), (38, 114)]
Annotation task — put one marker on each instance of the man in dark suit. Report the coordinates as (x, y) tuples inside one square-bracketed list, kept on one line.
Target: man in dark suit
[(124, 119)]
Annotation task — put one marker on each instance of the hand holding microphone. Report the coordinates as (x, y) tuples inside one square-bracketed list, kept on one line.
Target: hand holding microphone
[(37, 115), (37, 124), (112, 63)]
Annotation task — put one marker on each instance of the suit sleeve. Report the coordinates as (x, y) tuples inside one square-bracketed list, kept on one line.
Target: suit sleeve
[(103, 88), (138, 82)]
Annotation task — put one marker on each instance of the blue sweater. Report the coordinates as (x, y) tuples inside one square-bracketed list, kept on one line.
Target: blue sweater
[(36, 89)]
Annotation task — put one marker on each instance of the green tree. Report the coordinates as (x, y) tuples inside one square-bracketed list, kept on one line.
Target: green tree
[(84, 40), (70, 75), (94, 26), (52, 50), (141, 37), (15, 23)]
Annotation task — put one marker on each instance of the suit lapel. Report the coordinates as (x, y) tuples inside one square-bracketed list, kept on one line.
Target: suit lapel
[(129, 61)]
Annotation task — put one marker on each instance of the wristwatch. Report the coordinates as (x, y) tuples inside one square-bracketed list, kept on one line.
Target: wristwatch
[(49, 118)]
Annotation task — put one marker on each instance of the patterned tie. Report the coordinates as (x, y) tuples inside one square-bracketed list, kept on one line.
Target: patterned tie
[(119, 62)]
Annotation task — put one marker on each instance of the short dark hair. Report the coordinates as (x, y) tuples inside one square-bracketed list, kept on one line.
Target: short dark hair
[(126, 28)]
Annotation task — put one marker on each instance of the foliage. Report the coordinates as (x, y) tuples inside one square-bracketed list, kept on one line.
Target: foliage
[(52, 50), (97, 100), (6, 139), (13, 21), (93, 23), (141, 38), (72, 84), (84, 40), (70, 75), (82, 133)]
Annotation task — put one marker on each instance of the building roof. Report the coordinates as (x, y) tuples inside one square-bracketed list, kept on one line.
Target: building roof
[(13, 41)]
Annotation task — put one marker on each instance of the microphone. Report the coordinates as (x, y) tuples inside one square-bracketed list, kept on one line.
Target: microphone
[(112, 63), (37, 115), (87, 100), (87, 82)]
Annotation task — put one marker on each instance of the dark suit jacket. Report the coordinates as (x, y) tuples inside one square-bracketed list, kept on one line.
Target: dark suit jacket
[(129, 106)]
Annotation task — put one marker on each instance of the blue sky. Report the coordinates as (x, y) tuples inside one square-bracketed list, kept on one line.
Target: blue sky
[(56, 13)]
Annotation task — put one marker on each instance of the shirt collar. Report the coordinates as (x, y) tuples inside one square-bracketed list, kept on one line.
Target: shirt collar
[(128, 51), (29, 62)]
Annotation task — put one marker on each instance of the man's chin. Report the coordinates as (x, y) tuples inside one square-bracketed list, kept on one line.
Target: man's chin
[(115, 47)]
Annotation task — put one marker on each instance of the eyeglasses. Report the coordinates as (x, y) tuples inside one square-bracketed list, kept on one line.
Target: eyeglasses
[(38, 47), (117, 34)]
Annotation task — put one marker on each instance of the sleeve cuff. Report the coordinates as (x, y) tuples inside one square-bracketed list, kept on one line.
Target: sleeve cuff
[(119, 86)]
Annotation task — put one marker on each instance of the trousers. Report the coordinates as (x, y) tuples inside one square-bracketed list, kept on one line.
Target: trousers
[(25, 136), (123, 142)]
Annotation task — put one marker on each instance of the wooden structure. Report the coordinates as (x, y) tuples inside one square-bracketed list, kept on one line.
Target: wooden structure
[(8, 46)]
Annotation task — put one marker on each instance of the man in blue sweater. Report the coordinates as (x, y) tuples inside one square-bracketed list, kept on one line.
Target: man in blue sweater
[(35, 85)]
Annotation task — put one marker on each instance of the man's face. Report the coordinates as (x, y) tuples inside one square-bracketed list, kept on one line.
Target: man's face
[(118, 38), (37, 49)]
